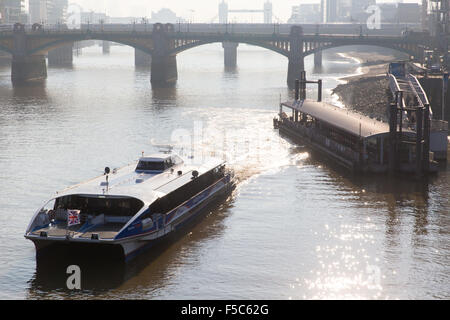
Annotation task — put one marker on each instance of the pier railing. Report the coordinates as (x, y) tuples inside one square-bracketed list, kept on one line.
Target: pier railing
[(418, 90)]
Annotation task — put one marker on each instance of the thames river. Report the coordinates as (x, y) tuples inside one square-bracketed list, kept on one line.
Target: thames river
[(296, 227)]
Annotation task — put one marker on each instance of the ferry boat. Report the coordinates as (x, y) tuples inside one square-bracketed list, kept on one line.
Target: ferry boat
[(356, 142), (127, 210)]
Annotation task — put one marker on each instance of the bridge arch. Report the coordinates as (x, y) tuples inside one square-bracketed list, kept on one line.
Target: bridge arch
[(330, 46), (199, 43), (56, 43)]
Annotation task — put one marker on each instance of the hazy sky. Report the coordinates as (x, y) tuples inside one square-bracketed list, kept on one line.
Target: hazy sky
[(196, 10)]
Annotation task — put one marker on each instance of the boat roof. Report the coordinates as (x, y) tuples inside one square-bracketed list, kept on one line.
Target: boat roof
[(145, 186), (344, 119), (156, 157)]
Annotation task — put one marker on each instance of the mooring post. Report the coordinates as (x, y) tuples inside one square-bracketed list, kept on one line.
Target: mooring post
[(297, 89), (319, 90), (303, 91), (297, 96), (303, 85)]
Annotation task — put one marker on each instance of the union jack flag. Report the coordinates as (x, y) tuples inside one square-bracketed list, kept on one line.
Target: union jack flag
[(73, 217)]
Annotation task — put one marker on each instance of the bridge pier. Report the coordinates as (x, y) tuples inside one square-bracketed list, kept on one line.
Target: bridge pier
[(106, 45), (142, 59), (28, 68), (230, 54), (62, 56), (296, 57), (164, 71), (318, 59)]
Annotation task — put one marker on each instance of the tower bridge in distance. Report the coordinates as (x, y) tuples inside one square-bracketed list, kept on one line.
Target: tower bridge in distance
[(29, 46), (267, 11)]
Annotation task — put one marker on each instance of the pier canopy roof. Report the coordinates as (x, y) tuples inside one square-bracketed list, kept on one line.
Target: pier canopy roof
[(346, 120)]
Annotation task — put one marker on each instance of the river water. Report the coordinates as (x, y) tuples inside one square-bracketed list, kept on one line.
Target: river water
[(295, 228)]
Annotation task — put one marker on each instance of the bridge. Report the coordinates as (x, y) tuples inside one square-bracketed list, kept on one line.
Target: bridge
[(163, 42)]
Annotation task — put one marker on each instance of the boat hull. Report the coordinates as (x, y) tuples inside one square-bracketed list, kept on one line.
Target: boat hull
[(134, 248), (128, 248)]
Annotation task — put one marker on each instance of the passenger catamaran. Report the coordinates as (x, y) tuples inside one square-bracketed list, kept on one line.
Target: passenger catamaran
[(130, 209)]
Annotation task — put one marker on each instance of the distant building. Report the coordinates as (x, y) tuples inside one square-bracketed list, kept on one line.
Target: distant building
[(268, 11), (48, 11), (358, 10), (306, 13), (337, 10), (57, 11), (37, 11), (95, 18), (344, 9), (401, 12), (11, 11), (164, 16), (223, 12), (425, 15), (409, 12), (329, 11), (388, 12)]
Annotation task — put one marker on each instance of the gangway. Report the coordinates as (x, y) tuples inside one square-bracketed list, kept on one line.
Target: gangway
[(410, 96)]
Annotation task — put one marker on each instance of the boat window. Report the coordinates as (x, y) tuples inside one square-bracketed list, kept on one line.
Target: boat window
[(187, 191), (96, 206), (151, 166)]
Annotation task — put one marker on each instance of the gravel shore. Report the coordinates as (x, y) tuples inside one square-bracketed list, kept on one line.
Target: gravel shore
[(369, 92)]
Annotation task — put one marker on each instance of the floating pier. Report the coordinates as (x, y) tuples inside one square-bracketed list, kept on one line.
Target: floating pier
[(357, 142)]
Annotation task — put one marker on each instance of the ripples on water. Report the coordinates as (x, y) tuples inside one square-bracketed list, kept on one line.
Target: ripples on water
[(295, 228)]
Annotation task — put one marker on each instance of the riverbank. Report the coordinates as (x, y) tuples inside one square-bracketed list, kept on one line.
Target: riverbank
[(368, 92)]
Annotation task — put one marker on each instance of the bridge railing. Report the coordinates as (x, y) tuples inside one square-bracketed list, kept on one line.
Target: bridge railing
[(192, 29)]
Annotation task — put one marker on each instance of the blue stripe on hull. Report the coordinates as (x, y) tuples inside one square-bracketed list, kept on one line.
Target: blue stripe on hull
[(195, 212)]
